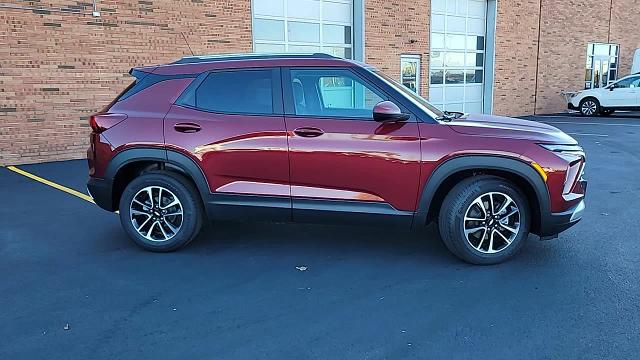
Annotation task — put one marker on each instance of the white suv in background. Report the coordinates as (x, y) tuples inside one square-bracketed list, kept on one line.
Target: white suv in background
[(623, 94)]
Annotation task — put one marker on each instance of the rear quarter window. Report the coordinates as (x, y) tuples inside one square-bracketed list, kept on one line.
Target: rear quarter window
[(237, 92)]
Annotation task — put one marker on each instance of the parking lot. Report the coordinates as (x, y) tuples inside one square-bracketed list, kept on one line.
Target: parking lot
[(72, 284)]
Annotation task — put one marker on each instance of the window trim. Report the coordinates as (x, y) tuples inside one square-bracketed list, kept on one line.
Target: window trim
[(276, 91), (289, 103), (633, 77)]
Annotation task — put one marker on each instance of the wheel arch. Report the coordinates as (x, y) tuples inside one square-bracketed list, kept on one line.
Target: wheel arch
[(449, 173), (130, 163)]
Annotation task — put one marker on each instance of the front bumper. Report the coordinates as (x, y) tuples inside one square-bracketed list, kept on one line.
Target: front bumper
[(555, 223), (100, 191), (570, 106)]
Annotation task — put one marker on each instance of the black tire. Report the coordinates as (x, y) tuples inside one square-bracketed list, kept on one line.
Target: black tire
[(589, 107), (453, 210), (188, 196)]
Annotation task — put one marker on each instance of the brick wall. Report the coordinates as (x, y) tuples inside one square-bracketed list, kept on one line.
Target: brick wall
[(625, 18), (393, 28), (515, 60), (566, 27), (56, 68)]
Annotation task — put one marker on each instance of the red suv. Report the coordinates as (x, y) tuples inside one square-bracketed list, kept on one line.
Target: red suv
[(314, 138)]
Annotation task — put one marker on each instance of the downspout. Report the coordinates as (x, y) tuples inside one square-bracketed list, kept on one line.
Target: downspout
[(535, 95)]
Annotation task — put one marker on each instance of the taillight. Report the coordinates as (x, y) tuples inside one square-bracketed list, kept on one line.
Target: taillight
[(102, 122)]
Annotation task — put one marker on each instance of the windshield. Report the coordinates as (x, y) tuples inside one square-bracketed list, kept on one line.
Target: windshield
[(433, 111)]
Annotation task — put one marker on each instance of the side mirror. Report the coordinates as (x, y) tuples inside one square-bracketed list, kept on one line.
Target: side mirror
[(387, 111), (612, 86)]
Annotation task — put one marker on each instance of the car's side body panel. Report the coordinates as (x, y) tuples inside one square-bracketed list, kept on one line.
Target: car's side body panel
[(260, 167), (355, 160)]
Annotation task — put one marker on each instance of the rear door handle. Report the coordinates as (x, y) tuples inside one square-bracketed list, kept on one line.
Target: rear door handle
[(308, 132), (187, 127)]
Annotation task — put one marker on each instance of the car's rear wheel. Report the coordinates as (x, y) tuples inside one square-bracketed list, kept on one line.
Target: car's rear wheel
[(484, 220), (161, 211), (589, 107)]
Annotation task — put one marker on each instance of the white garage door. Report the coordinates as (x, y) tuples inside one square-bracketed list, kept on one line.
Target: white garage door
[(303, 26), (458, 32)]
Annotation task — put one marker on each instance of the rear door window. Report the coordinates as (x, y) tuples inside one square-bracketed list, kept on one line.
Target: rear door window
[(238, 92)]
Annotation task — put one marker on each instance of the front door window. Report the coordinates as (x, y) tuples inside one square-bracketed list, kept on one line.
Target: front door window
[(332, 93)]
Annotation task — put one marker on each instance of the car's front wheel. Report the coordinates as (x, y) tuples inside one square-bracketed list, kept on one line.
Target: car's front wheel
[(161, 211), (484, 220), (589, 107)]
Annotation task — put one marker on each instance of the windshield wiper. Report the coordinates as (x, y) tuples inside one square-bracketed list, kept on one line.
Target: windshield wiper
[(450, 115)]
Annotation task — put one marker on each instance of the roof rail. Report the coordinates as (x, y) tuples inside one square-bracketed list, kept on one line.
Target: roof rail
[(251, 56)]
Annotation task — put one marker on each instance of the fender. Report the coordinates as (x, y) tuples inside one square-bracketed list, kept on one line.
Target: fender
[(468, 162), (181, 161)]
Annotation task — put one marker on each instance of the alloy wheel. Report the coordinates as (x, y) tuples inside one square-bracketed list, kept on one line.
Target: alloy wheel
[(156, 213), (589, 107), (492, 222)]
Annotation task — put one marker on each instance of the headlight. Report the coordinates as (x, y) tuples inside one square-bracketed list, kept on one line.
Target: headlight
[(575, 157), (565, 149)]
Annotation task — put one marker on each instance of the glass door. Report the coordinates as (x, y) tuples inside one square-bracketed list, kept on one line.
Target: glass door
[(600, 74)]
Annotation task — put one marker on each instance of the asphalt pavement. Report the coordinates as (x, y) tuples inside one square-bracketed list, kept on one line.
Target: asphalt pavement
[(72, 285)]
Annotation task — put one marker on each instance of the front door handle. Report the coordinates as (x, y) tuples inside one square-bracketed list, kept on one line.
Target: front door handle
[(308, 132), (187, 127)]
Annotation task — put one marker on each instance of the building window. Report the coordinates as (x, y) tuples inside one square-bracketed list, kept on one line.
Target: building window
[(303, 26), (602, 65), (410, 72)]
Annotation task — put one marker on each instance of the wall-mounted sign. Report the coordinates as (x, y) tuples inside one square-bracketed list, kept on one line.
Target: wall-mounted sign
[(410, 72)]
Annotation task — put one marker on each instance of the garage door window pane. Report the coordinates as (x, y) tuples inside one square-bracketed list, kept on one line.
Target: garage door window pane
[(304, 32), (437, 41), (268, 29), (475, 59), (475, 43), (454, 77), (303, 9), (268, 48), (304, 49), (337, 12), (238, 92), (473, 76), (336, 34), (437, 59), (343, 52), (437, 77), (454, 59), (455, 42)]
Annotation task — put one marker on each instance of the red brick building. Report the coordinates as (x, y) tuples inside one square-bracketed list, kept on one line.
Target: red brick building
[(62, 60)]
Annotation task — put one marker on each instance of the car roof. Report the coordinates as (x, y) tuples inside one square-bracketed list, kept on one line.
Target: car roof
[(201, 63)]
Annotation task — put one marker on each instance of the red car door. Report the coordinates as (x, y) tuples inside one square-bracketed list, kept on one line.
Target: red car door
[(342, 162), (230, 123)]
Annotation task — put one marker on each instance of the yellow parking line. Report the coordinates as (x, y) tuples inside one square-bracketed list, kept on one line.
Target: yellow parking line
[(52, 184)]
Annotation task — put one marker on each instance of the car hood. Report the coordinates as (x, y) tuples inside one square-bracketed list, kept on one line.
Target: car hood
[(505, 127), (592, 92)]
